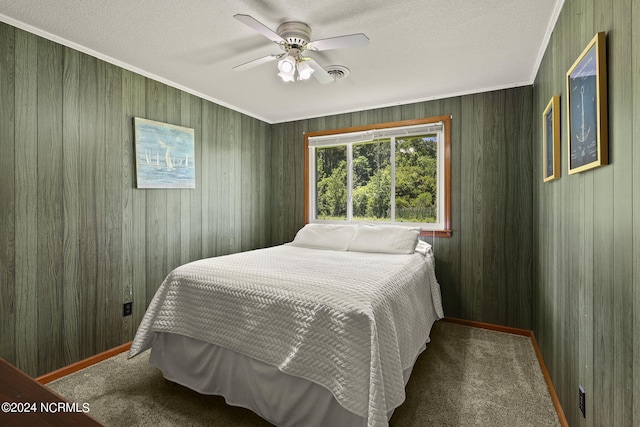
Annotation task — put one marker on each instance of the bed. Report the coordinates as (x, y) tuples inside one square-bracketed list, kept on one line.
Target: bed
[(321, 331)]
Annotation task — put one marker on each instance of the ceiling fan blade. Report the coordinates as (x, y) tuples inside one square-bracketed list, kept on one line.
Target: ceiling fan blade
[(320, 73), (352, 40), (259, 27), (256, 62)]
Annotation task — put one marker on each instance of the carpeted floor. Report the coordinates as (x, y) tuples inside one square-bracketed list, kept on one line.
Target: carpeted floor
[(466, 377)]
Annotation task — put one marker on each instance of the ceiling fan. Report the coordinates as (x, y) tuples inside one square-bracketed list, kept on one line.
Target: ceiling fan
[(294, 38)]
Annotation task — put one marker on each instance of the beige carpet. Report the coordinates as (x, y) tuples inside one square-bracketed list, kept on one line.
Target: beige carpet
[(466, 377)]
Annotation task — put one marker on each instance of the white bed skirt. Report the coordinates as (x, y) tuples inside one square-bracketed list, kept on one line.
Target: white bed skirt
[(282, 399)]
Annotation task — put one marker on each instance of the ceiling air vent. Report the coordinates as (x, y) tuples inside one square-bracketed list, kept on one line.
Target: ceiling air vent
[(338, 72)]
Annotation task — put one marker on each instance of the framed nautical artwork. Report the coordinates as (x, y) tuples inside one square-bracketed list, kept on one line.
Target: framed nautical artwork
[(164, 155), (551, 139), (587, 108)]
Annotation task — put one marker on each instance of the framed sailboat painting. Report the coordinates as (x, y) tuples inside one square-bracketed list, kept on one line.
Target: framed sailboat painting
[(587, 108), (164, 155)]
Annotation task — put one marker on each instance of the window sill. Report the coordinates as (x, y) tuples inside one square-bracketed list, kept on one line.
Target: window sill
[(436, 233)]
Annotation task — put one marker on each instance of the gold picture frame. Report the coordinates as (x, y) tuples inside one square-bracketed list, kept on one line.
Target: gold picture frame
[(551, 140), (587, 108)]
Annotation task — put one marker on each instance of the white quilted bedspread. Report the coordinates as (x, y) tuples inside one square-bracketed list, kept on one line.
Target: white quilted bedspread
[(349, 321)]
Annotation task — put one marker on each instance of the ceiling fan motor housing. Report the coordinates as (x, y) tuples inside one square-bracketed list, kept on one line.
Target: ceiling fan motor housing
[(297, 34)]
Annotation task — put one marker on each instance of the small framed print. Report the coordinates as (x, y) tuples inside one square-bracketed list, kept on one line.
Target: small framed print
[(587, 108), (551, 139)]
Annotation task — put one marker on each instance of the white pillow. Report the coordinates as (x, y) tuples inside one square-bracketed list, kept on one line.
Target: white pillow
[(388, 239), (423, 247), (324, 236)]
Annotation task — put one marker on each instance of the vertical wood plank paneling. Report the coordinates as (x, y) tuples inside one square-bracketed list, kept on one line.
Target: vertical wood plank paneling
[(215, 193), (26, 193), (289, 178), (127, 184), (246, 190), (535, 132), (635, 155), (211, 178), (635, 283), (298, 149), (621, 153), (196, 199), (156, 208), (113, 205), (454, 247), (7, 194), (295, 218), (139, 209), (235, 187), (263, 168), (553, 258), (71, 189), (500, 178), (219, 197), (586, 255), (224, 216), (570, 374), (99, 192), (565, 277), (185, 195), (277, 182), (173, 196), (604, 271), (278, 176), (50, 225), (88, 221), (467, 164), (517, 286), (289, 175), (572, 274), (493, 214), (205, 178), (260, 160), (590, 249), (479, 203), (265, 177)]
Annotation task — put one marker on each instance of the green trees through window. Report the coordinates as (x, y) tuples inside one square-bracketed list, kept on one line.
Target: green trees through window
[(331, 169), (416, 181)]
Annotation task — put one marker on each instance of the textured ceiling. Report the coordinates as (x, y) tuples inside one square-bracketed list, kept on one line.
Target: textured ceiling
[(418, 49)]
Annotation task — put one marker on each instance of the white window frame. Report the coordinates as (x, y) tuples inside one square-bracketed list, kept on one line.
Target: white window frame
[(351, 136)]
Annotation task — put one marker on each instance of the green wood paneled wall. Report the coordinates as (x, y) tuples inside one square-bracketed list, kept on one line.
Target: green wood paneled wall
[(485, 268), (77, 239), (587, 229)]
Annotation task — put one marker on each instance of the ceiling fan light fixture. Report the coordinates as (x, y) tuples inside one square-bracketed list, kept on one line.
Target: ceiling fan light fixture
[(304, 70), (287, 65), (294, 38), (287, 77)]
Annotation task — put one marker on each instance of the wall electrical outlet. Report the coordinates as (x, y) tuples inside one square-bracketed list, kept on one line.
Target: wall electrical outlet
[(582, 402), (127, 309)]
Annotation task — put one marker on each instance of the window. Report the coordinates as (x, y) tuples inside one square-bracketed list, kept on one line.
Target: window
[(394, 173)]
